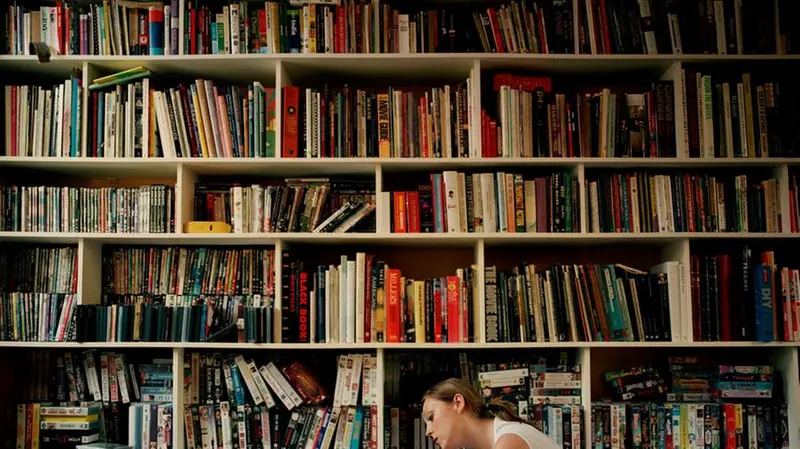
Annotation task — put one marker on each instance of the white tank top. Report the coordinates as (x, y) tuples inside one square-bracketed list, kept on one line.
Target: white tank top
[(535, 438)]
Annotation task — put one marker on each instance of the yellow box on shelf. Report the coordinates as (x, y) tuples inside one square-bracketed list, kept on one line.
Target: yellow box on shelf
[(207, 227)]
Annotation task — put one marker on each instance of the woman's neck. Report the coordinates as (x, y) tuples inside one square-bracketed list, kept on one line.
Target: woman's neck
[(482, 433)]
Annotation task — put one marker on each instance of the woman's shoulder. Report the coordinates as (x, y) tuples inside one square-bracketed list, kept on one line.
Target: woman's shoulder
[(519, 435)]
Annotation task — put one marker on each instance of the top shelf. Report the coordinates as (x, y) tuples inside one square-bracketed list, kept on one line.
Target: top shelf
[(258, 65)]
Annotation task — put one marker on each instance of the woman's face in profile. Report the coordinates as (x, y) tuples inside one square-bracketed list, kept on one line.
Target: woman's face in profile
[(443, 420)]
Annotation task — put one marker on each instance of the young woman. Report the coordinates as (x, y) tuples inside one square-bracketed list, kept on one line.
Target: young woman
[(456, 416)]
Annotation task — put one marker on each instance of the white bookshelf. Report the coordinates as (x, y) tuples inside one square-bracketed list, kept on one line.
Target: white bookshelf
[(279, 70)]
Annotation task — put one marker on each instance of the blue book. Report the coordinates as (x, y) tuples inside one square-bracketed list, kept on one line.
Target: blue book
[(763, 281), (156, 31), (76, 113), (101, 106)]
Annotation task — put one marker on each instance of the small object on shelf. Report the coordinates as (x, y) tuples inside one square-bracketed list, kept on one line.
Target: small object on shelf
[(207, 227)]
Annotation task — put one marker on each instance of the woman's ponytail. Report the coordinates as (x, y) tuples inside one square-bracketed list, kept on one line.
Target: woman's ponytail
[(503, 410), (447, 389)]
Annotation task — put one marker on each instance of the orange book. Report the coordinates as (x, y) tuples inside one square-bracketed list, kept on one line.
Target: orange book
[(393, 305), (400, 213)]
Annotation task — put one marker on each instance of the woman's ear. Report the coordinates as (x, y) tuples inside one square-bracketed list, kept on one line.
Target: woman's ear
[(459, 403)]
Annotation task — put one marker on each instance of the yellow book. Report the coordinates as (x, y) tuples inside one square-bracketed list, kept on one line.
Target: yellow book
[(198, 116), (86, 419), (120, 75)]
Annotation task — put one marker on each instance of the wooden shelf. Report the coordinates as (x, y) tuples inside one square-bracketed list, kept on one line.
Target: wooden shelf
[(334, 166), (391, 346), (438, 239), (253, 66)]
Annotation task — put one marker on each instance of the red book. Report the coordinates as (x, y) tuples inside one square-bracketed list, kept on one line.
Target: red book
[(453, 310), (393, 305), (526, 83), (193, 32), (687, 180), (725, 316), (493, 152), (495, 25), (437, 315), (303, 335), (291, 103), (400, 216), (412, 211), (729, 416)]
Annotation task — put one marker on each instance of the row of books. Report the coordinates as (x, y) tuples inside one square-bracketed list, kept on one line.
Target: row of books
[(217, 385), (727, 426), (372, 26), (38, 269), (535, 120), (199, 119), (110, 27), (682, 202), (143, 209), (583, 303), (44, 121), (486, 202), (90, 395), (129, 116), (37, 316), (693, 379), (162, 271), (703, 27), (181, 319), (252, 381), (366, 300), (700, 379), (739, 115), (738, 296), (299, 205), (378, 122)]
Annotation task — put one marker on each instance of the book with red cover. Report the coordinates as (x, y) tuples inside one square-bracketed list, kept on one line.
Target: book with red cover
[(393, 305), (453, 310), (291, 135)]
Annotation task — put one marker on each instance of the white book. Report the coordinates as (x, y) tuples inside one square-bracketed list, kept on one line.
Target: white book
[(404, 41), (341, 375), (276, 387), (452, 190), (237, 216), (360, 286), (676, 297), (247, 375), (350, 336), (284, 384), (343, 300), (216, 126), (67, 119), (719, 19), (59, 112), (355, 379), (327, 313), (728, 136)]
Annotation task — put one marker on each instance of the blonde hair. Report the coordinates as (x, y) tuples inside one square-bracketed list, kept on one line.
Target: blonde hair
[(446, 390)]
